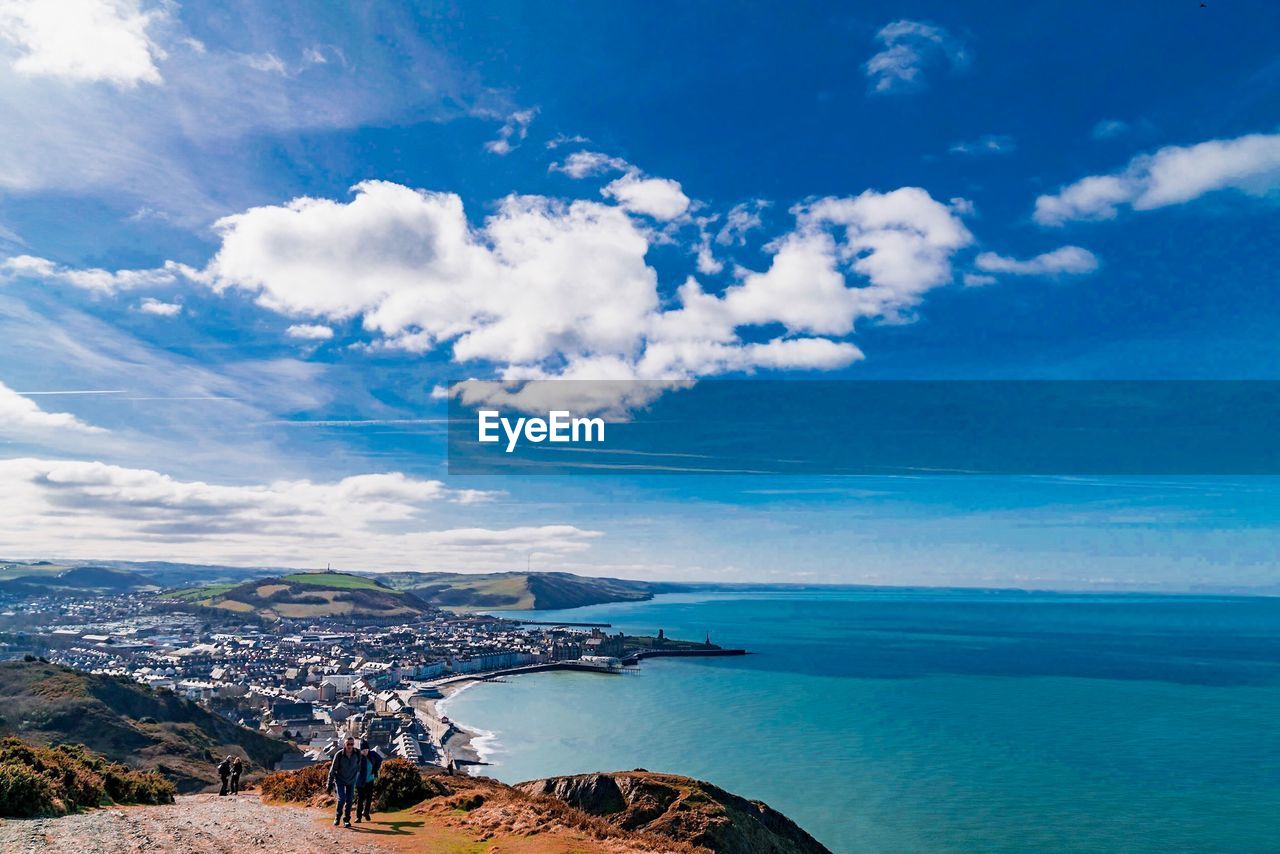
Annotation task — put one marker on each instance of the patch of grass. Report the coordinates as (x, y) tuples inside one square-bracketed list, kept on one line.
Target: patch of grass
[(334, 579), (196, 594)]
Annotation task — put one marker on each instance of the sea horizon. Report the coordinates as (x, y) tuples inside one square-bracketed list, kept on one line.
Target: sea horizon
[(928, 721)]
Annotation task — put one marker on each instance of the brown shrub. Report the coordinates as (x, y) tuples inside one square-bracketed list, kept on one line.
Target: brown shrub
[(56, 780), (296, 786)]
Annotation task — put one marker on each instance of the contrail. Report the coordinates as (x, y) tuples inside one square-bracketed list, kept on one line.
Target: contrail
[(75, 391)]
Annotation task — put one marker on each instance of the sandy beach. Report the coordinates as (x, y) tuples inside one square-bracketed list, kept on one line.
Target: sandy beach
[(453, 741)]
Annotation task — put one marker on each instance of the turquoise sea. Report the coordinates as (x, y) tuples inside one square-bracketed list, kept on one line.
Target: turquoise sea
[(935, 720)]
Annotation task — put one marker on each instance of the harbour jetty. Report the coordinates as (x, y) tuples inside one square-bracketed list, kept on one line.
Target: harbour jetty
[(641, 654)]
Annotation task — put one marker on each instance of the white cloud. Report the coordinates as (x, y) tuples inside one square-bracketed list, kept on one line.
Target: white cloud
[(513, 130), (1172, 175), (267, 62), (309, 332), (910, 49), (976, 280), (1070, 260), (90, 279), (151, 305), (583, 164), (171, 147), (566, 139), (78, 508), (988, 144), (741, 219), (660, 198), (545, 288), (20, 414), (84, 40)]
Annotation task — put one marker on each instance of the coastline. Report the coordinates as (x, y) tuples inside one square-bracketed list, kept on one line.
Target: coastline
[(454, 741)]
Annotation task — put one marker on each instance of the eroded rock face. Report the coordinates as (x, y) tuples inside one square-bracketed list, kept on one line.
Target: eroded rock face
[(680, 808)]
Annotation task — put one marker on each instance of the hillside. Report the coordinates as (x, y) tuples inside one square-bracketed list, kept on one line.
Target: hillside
[(307, 595), (681, 808), (516, 591), (632, 811), (50, 579), (152, 730)]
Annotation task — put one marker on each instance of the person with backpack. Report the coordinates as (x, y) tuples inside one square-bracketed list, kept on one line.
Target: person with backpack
[(370, 762), (224, 772), (237, 767), (344, 772)]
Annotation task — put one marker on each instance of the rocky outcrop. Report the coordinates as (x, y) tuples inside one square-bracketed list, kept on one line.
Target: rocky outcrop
[(680, 808)]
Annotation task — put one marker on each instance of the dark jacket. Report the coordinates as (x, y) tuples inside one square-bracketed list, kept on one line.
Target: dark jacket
[(237, 767), (224, 769), (345, 769), (375, 759)]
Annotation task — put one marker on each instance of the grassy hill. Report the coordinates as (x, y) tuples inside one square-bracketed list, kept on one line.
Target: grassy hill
[(515, 591), (48, 704), (306, 595)]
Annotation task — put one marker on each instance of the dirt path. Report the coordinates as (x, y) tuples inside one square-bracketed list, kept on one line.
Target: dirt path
[(196, 823)]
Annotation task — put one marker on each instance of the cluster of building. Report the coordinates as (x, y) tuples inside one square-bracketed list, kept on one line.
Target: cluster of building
[(313, 682)]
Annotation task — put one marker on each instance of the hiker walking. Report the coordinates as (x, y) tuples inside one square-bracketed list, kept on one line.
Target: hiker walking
[(344, 773), (224, 772), (237, 767), (370, 762)]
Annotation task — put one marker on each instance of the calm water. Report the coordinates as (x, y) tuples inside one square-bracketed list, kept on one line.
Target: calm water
[(936, 721)]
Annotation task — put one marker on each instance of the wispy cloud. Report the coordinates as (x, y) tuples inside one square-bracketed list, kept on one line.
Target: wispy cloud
[(378, 521), (1172, 175), (1067, 260), (910, 49), (513, 131), (985, 145)]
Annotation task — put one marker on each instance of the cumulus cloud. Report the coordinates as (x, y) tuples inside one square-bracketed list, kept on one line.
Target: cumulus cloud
[(91, 509), (660, 198), (1068, 260), (151, 305), (545, 288), (309, 332), (513, 130), (910, 49), (90, 279), (84, 40), (20, 414), (1173, 175)]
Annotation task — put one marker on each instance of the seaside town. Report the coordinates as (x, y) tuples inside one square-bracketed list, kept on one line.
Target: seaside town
[(317, 681)]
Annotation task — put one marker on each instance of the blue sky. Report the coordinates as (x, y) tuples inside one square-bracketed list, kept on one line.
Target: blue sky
[(253, 238)]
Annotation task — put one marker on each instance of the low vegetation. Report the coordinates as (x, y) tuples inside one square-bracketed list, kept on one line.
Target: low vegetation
[(50, 781), (47, 704), (632, 811), (400, 784)]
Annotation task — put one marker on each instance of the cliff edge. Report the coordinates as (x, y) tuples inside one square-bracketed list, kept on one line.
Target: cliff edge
[(692, 811)]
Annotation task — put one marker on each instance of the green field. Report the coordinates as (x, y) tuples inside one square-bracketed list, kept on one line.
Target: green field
[(195, 594), (334, 580)]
